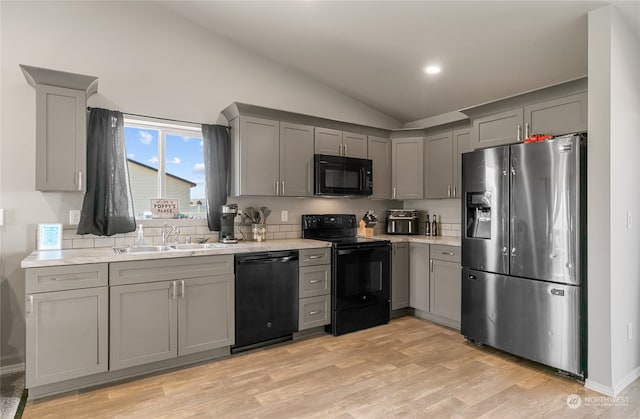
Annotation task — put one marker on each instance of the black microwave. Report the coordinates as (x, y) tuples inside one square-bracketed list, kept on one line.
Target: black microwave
[(342, 176)]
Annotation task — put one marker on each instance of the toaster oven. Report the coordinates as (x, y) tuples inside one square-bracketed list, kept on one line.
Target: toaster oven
[(402, 221)]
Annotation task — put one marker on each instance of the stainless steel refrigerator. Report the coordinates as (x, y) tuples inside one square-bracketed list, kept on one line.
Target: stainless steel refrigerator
[(524, 249)]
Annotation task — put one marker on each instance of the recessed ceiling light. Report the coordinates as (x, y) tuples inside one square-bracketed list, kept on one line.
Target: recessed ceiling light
[(432, 69)]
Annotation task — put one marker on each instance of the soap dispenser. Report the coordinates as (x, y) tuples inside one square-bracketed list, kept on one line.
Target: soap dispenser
[(140, 236)]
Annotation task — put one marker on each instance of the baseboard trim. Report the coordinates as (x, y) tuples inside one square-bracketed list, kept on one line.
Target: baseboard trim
[(600, 388), (8, 369), (626, 381)]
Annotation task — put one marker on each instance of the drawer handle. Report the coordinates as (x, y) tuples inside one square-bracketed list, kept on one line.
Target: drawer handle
[(315, 281), (315, 257), (448, 253), (66, 278), (314, 312)]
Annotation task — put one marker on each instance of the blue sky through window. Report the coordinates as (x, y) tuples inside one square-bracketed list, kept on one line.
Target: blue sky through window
[(183, 155)]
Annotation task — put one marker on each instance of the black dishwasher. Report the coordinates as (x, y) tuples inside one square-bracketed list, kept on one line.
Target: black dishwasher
[(266, 303)]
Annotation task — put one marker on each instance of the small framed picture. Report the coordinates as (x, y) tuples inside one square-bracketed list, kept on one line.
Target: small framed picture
[(165, 207), (49, 236)]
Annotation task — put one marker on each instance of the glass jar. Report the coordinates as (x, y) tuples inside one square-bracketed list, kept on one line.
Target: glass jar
[(259, 232)]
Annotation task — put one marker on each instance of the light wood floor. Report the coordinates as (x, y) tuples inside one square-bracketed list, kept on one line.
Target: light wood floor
[(408, 368)]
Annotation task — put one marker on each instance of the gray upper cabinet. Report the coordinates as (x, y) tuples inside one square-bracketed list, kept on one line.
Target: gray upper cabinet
[(354, 145), (407, 178), (61, 127), (271, 158), (558, 116), (257, 144), (400, 276), (438, 180), (338, 143), (328, 141), (461, 144), (498, 129), (66, 335), (379, 152), (563, 115), (296, 160)]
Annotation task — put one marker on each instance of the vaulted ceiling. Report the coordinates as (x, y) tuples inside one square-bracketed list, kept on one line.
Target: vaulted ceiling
[(374, 51)]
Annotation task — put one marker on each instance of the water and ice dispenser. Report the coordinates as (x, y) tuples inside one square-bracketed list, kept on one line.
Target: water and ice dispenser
[(478, 215)]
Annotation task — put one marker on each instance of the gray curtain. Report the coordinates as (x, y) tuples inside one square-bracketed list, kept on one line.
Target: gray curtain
[(107, 208), (217, 167)]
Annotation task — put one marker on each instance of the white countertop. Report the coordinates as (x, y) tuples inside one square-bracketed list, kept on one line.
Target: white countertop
[(107, 254), (418, 238)]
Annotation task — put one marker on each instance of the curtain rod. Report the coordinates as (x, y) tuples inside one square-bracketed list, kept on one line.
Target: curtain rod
[(155, 117)]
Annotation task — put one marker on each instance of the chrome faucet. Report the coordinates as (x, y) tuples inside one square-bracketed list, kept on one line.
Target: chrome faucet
[(167, 231)]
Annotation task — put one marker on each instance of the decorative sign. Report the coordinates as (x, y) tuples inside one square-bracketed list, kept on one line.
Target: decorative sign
[(165, 208), (49, 236)]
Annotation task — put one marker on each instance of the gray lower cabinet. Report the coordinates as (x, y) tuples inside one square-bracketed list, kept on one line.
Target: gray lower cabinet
[(407, 175), (161, 309), (400, 276), (314, 306), (379, 152), (419, 276), (445, 284), (66, 316)]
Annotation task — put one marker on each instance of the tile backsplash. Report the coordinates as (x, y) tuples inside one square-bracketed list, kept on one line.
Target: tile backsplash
[(198, 229)]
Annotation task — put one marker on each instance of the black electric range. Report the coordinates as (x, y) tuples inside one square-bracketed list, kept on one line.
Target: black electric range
[(360, 276)]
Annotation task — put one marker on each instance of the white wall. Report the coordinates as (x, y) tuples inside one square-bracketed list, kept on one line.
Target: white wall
[(613, 173), (149, 62)]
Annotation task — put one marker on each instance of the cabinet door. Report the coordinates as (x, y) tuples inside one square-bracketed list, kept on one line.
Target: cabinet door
[(61, 138), (565, 115), (445, 290), (66, 335), (438, 179), (497, 129), (259, 156), (143, 324), (328, 141), (379, 151), (461, 145), (407, 168), (354, 145), (296, 160), (400, 276), (419, 276), (205, 313)]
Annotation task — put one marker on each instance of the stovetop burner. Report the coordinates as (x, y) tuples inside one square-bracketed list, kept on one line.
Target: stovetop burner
[(339, 229)]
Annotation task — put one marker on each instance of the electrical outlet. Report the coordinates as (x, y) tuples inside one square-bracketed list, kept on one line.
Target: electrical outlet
[(284, 216), (628, 220), (629, 331), (74, 217)]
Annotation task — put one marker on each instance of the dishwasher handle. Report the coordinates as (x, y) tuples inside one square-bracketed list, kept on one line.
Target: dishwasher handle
[(267, 260)]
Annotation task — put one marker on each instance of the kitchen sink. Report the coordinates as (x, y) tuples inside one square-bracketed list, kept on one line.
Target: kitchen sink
[(196, 246), (143, 249)]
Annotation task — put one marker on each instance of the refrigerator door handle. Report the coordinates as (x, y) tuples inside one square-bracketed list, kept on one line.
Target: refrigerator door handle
[(513, 252), (505, 251)]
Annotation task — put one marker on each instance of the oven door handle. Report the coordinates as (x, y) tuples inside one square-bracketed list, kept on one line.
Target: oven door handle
[(267, 260)]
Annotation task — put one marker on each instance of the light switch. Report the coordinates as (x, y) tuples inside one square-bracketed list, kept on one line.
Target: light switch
[(284, 216)]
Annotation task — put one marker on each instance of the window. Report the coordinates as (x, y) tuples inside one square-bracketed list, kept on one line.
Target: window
[(165, 161)]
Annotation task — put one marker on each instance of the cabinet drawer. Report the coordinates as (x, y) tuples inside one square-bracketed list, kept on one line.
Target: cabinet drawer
[(310, 257), (137, 272), (448, 253), (60, 278), (315, 280), (314, 311)]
